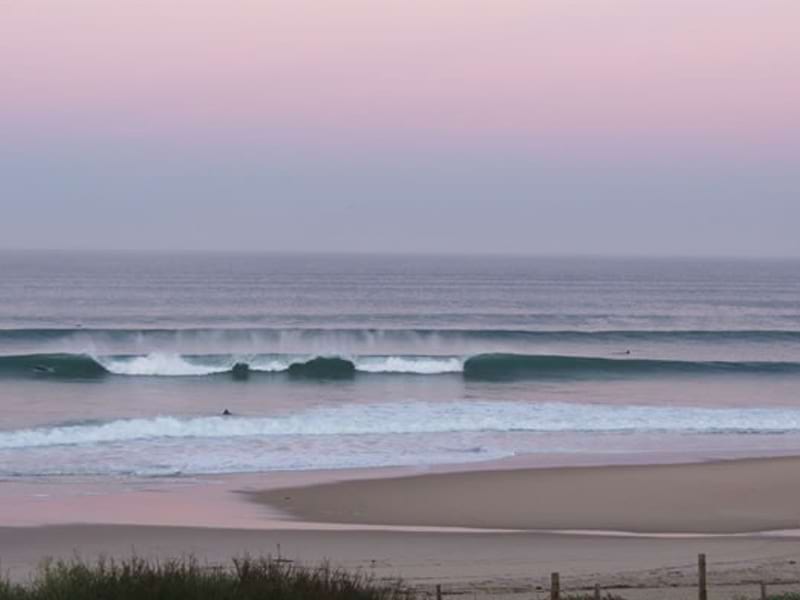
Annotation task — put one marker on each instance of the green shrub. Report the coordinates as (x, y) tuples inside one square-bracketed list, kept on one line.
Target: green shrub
[(244, 579)]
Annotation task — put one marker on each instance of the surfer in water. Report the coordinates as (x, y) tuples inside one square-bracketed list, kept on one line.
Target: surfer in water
[(227, 413)]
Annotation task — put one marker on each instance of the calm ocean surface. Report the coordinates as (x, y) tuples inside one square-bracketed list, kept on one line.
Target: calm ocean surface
[(121, 364)]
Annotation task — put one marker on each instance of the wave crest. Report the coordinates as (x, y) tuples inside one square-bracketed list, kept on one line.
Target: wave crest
[(481, 367)]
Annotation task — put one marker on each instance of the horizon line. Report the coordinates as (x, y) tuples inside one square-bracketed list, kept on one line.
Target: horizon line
[(409, 253)]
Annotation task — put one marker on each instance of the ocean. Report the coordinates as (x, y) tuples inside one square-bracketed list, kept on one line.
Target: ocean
[(121, 364)]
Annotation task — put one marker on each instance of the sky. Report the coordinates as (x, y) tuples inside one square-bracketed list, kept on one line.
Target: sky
[(637, 127)]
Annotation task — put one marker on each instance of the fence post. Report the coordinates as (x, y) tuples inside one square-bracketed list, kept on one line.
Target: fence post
[(702, 591), (438, 592), (597, 591), (763, 591), (555, 587)]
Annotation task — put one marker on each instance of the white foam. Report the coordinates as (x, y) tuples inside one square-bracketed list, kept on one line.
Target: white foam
[(176, 365), (421, 418), (274, 364), (160, 364), (422, 365)]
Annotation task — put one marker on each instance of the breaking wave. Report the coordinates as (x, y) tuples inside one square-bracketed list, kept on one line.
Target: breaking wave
[(486, 367), (83, 366)]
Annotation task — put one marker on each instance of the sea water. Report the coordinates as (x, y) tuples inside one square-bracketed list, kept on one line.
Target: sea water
[(121, 364)]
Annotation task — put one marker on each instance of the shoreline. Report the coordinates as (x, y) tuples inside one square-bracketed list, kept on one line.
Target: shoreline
[(255, 501)]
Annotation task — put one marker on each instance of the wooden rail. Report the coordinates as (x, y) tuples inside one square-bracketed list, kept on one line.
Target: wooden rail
[(702, 584)]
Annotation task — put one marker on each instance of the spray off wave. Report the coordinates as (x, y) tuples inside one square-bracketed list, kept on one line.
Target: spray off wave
[(339, 335), (343, 342)]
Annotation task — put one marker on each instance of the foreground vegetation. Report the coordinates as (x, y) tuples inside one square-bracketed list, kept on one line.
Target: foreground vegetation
[(243, 579)]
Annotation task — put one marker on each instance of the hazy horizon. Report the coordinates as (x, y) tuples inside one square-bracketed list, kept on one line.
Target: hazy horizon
[(624, 128), (388, 254)]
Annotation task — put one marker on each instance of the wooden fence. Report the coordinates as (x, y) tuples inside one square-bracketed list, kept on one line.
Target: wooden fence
[(702, 584)]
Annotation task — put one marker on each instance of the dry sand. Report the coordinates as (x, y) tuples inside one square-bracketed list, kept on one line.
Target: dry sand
[(473, 565), (711, 498)]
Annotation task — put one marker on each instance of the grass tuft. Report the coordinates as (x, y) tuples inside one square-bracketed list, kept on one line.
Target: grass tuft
[(244, 579)]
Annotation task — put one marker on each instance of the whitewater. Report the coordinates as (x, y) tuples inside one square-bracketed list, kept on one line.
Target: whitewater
[(479, 429)]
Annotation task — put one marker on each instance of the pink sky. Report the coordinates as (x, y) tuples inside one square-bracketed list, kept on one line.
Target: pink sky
[(617, 126), (662, 71)]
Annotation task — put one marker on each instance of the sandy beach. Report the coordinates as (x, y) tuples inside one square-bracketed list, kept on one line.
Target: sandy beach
[(471, 565), (412, 526), (740, 496)]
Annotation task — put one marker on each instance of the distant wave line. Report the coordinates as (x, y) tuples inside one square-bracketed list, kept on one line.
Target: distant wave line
[(216, 332)]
